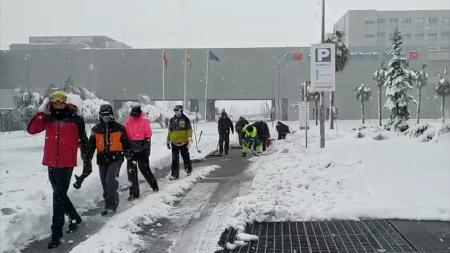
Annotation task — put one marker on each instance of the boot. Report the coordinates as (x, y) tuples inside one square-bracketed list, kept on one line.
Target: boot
[(54, 243)]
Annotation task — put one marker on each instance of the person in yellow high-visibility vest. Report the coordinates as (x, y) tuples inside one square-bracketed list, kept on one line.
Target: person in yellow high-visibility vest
[(250, 141)]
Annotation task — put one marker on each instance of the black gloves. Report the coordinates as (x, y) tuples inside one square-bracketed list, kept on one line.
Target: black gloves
[(87, 169)]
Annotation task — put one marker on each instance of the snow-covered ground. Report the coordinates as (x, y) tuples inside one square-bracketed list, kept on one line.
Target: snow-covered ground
[(26, 194), (352, 178)]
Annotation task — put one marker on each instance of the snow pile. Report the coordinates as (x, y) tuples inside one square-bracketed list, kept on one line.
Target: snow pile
[(395, 178), (120, 233)]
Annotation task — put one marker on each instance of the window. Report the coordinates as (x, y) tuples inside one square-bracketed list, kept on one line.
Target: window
[(407, 36), (393, 21), (433, 47), (420, 36), (406, 21), (419, 21), (381, 34), (445, 21), (381, 21), (432, 35), (432, 21), (445, 34), (369, 35), (369, 22)]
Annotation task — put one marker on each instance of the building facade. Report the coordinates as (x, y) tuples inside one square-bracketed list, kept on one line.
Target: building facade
[(428, 29)]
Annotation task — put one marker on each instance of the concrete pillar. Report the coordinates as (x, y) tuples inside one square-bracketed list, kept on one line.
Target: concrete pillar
[(211, 110), (193, 105), (284, 109), (272, 110)]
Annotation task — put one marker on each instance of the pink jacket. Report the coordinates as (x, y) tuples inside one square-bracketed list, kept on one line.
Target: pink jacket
[(138, 128)]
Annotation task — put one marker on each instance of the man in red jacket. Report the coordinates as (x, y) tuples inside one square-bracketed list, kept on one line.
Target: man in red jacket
[(139, 131), (64, 133)]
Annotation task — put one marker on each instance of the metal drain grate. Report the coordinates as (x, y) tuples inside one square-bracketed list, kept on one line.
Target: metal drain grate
[(322, 237)]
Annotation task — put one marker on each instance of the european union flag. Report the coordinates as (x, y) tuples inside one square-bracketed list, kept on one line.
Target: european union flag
[(213, 57)]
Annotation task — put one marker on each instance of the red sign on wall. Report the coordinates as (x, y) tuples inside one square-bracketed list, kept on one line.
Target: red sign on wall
[(413, 55)]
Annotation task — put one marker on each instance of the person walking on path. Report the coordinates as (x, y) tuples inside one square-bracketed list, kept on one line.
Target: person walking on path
[(224, 126), (282, 130), (139, 130), (250, 141), (239, 126), (178, 138), (263, 133), (110, 139), (64, 133)]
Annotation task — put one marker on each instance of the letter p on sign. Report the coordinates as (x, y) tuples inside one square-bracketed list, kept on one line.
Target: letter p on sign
[(323, 55)]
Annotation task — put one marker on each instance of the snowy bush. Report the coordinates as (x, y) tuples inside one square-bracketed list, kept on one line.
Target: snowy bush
[(152, 112), (443, 90), (398, 79), (379, 76), (420, 79), (363, 94), (27, 104), (87, 108)]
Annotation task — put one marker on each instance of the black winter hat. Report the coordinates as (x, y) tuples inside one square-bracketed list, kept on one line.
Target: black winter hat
[(106, 109), (178, 108), (136, 111)]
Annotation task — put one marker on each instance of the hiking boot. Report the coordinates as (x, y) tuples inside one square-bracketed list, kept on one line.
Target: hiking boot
[(173, 178), (244, 155), (155, 189), (132, 197), (220, 154), (107, 212), (188, 172), (73, 225), (54, 243)]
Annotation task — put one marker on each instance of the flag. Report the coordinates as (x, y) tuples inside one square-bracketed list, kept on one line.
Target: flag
[(212, 56), (165, 60), (189, 60), (295, 56)]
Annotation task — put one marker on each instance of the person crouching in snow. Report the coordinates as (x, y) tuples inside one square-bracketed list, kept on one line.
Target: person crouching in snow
[(64, 133), (178, 138), (110, 139), (250, 140), (139, 132)]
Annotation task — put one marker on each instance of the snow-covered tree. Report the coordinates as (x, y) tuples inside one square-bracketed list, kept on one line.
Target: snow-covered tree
[(443, 90), (420, 79), (27, 104), (380, 78), (315, 96), (342, 57), (397, 85), (363, 94), (152, 112)]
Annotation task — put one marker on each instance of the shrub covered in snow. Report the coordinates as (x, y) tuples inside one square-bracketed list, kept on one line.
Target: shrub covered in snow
[(398, 79), (27, 104), (443, 90), (152, 112)]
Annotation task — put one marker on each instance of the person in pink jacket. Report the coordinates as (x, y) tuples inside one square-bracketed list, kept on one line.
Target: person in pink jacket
[(139, 131)]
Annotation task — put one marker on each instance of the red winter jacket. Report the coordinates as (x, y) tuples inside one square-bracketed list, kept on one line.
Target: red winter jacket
[(64, 132)]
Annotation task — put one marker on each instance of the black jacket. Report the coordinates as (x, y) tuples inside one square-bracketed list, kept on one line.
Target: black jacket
[(240, 124), (262, 128), (111, 142), (224, 125), (282, 128)]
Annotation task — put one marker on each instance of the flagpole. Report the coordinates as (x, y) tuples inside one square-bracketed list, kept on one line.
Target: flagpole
[(206, 83), (185, 72), (163, 80)]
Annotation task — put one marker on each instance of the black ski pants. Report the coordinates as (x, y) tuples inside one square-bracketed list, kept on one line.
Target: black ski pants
[(224, 137), (141, 160), (109, 176), (60, 181), (184, 151)]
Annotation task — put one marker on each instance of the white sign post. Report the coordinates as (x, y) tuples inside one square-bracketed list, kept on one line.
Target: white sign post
[(323, 67)]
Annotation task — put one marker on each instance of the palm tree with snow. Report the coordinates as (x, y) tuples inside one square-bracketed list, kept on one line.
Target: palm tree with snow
[(420, 79), (363, 94), (342, 57), (443, 90), (380, 78)]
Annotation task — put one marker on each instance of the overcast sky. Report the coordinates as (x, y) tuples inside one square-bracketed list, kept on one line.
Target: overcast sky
[(186, 23)]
